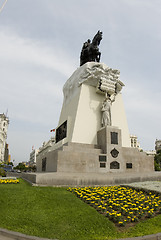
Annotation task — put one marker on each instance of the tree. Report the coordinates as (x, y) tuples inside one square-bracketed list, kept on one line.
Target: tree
[(34, 168), (157, 161), (10, 163), (21, 167)]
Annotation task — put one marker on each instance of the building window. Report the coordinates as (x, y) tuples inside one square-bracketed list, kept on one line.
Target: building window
[(4, 124), (128, 165), (102, 164)]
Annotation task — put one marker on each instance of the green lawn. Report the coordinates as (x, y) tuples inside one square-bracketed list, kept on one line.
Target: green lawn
[(57, 213)]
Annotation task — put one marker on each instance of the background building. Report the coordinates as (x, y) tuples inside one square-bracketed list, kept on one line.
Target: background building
[(4, 122), (6, 154), (136, 144), (134, 141), (33, 154), (151, 152)]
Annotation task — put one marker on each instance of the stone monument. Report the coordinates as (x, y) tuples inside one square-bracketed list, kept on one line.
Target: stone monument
[(92, 135)]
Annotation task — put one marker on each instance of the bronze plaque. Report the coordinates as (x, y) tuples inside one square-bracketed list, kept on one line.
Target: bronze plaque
[(114, 153), (114, 138), (102, 158), (102, 164), (61, 132), (114, 165), (128, 165), (44, 164)]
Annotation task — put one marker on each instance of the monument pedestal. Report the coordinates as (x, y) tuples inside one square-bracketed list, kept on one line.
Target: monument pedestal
[(110, 141)]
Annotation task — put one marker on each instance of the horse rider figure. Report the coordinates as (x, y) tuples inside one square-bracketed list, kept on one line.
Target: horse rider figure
[(90, 51)]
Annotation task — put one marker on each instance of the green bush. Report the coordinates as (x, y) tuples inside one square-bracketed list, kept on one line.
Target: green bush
[(157, 161), (2, 172), (156, 166)]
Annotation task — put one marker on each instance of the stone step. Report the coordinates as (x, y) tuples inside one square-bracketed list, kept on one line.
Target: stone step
[(79, 147), (93, 146)]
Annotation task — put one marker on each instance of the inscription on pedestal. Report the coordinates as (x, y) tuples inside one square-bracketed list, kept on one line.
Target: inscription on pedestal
[(61, 132)]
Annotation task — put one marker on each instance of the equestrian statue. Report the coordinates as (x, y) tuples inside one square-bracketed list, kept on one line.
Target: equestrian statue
[(90, 51)]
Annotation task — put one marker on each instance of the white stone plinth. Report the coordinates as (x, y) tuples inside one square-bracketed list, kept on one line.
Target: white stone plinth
[(82, 106)]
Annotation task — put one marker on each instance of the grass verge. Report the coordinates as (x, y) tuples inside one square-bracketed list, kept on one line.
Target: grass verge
[(57, 213)]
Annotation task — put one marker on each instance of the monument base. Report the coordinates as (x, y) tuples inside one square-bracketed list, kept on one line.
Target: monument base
[(82, 148), (61, 179), (105, 157)]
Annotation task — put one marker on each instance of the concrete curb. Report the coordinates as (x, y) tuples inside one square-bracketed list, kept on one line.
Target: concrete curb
[(20, 236)]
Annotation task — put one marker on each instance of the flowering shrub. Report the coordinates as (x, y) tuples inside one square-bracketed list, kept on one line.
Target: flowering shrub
[(8, 181), (121, 205)]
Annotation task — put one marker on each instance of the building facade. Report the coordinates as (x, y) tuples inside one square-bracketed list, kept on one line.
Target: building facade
[(134, 141), (4, 122), (33, 154)]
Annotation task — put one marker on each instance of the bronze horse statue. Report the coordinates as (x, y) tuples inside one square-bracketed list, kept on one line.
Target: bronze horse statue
[(90, 51)]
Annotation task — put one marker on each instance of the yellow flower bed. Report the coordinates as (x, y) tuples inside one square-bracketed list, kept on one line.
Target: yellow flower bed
[(9, 181), (120, 204)]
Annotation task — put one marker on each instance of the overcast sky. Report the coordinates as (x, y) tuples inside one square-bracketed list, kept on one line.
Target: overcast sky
[(40, 44)]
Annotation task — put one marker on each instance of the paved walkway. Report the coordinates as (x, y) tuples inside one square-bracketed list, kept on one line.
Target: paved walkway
[(150, 185)]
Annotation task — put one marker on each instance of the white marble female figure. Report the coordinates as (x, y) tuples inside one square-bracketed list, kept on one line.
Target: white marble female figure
[(106, 111)]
